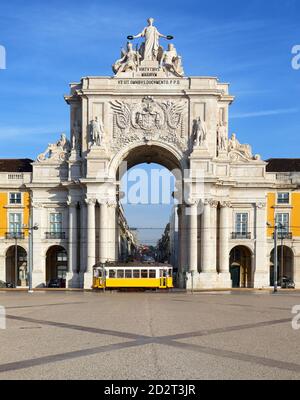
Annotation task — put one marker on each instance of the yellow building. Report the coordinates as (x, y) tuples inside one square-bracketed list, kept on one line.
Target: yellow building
[(14, 219), (284, 211)]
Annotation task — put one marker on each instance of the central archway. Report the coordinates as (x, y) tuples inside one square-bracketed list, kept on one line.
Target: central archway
[(169, 160), (167, 156)]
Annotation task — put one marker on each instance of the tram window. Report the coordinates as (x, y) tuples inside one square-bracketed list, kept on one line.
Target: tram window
[(112, 273), (144, 273), (170, 272), (128, 273), (136, 273), (120, 273), (163, 273), (152, 273)]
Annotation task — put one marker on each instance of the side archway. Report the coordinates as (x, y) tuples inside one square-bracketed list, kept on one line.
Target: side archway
[(285, 257), (241, 268), (16, 266), (56, 263)]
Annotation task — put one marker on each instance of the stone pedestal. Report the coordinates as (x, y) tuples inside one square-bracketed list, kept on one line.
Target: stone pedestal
[(208, 280), (38, 279), (88, 280), (97, 162), (261, 280), (72, 280), (74, 165)]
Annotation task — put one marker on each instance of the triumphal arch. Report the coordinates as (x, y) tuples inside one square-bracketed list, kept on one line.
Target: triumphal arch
[(150, 111)]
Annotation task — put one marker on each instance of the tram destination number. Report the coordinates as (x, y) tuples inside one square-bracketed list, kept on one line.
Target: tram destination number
[(154, 390)]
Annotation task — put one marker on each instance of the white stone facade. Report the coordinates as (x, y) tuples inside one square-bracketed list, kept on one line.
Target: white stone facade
[(148, 111)]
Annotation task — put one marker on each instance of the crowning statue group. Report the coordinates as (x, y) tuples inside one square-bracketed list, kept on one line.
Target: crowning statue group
[(150, 50)]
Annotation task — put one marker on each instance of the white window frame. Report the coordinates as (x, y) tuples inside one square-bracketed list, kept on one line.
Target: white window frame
[(282, 203), (10, 214), (244, 213), (55, 222), (285, 225), (14, 203)]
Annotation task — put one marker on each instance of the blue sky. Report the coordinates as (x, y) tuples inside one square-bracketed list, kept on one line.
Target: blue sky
[(52, 43)]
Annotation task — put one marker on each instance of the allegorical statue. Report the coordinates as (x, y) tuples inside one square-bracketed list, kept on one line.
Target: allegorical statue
[(96, 131), (244, 149), (222, 136), (76, 136), (129, 60), (199, 132), (56, 151), (171, 61), (151, 44)]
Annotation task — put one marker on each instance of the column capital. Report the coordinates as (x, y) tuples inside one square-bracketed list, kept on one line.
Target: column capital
[(70, 203), (90, 201), (211, 202), (261, 205), (112, 203), (225, 204), (37, 205)]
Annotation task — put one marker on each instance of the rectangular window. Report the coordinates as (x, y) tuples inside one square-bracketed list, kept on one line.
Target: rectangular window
[(112, 273), (241, 224), (136, 273), (128, 273), (62, 256), (283, 222), (15, 222), (144, 273), (55, 222), (283, 198), (152, 273), (15, 198), (120, 273)]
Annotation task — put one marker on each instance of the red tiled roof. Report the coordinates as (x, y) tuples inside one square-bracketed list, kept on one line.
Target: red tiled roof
[(15, 165)]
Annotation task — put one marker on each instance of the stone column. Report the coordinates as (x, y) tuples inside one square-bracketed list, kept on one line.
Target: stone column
[(39, 250), (183, 237), (72, 238), (213, 235), (224, 237), (224, 255), (262, 264), (193, 238), (91, 235), (111, 233), (205, 238), (104, 230), (83, 242), (208, 276)]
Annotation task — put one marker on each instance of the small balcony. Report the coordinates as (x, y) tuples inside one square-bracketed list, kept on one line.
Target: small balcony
[(284, 235), (55, 235), (241, 235), (14, 235)]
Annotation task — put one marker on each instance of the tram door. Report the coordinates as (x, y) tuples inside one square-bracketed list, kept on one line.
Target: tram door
[(163, 279)]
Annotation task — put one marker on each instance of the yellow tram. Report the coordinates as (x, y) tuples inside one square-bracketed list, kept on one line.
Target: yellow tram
[(133, 275)]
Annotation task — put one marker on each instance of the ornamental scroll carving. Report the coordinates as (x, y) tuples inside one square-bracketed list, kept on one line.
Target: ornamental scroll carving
[(149, 120)]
